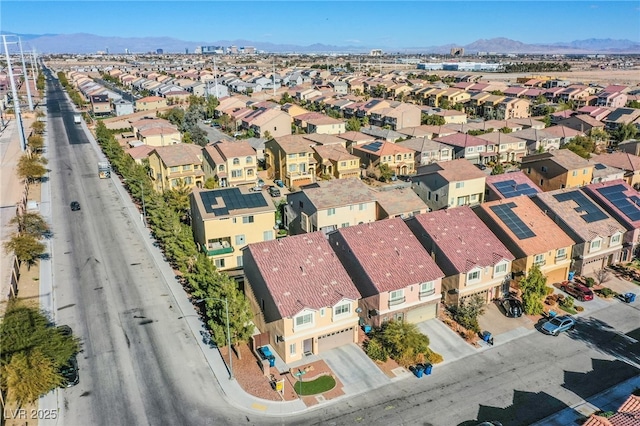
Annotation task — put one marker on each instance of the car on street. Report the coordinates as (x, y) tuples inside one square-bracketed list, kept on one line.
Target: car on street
[(65, 330), (558, 324), (274, 191), (579, 291), (70, 372), (512, 307), (481, 166), (75, 206)]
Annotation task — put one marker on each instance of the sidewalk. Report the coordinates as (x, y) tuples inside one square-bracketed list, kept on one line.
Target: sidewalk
[(608, 400)]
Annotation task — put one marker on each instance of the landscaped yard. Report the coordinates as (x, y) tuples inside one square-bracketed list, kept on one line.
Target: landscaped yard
[(316, 386)]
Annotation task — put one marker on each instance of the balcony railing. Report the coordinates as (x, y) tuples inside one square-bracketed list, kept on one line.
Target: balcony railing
[(541, 262), (398, 301), (427, 293), (561, 257), (217, 249)]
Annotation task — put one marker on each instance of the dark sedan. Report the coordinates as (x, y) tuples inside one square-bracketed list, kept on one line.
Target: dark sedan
[(512, 307), (70, 373)]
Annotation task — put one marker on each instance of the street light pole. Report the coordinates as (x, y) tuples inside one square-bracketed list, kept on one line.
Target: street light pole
[(144, 209), (226, 306)]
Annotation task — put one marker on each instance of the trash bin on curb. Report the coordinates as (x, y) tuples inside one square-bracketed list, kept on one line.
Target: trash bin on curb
[(486, 336), (427, 369), (629, 297), (418, 370)]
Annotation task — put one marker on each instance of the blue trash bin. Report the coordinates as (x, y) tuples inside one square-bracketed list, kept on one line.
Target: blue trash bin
[(571, 275), (427, 369), (272, 361), (486, 336), (630, 297), (418, 370), (367, 329)]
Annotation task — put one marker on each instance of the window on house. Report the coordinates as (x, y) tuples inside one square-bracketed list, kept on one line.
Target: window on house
[(500, 269), (344, 225), (436, 197), (293, 168), (292, 349), (459, 185), (362, 206), (331, 211), (615, 239), (596, 244), (219, 263), (239, 261), (539, 259), (186, 168), (221, 168), (396, 296), (427, 288), (240, 240), (236, 173), (473, 276), (248, 160), (584, 171), (342, 309), (544, 169), (236, 161), (250, 172), (267, 235), (188, 180), (247, 219), (561, 254), (322, 312), (174, 183), (304, 319), (575, 173), (302, 154), (470, 149), (174, 169)]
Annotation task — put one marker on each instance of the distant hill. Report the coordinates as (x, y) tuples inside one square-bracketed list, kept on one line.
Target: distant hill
[(90, 43)]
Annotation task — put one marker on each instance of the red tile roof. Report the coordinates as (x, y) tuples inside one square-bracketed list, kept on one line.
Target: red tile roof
[(302, 272), (463, 238), (461, 140), (391, 256)]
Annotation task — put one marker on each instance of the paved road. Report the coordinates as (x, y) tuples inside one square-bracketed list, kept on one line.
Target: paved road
[(139, 365), (517, 383)]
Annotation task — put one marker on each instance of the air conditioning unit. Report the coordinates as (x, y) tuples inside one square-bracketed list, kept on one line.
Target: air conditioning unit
[(279, 339)]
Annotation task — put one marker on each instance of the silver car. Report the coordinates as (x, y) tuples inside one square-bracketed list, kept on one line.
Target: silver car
[(557, 325)]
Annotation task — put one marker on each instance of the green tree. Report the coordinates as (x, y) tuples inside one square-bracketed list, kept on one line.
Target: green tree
[(30, 223), (26, 247), (177, 199), (210, 107), (30, 375), (353, 124), (581, 145), (598, 134), (466, 314), (633, 104), (385, 172), (625, 132), (31, 167), (432, 120), (402, 341), (498, 169), (35, 143), (211, 183), (534, 288), (505, 130)]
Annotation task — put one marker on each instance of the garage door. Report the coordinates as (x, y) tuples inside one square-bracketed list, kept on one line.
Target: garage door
[(557, 276), (301, 182), (592, 266), (422, 313), (333, 340)]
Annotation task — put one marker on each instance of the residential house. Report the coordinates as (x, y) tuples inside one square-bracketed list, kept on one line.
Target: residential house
[(449, 184), (398, 158), (123, 107), (382, 134), (622, 160), (466, 146), (619, 117), (631, 146), (393, 273), (267, 121), (339, 87), (621, 201), (307, 319), (511, 108), (334, 160), (509, 185), (151, 103), (398, 201), (156, 132), (325, 125), (290, 159), (427, 151), (582, 123), (598, 237), (506, 148), (230, 163), (328, 205), (557, 169), (530, 235), (174, 165), (565, 134), (538, 140), (100, 105), (355, 138), (225, 220), (603, 172), (404, 115), (472, 258), (612, 97)]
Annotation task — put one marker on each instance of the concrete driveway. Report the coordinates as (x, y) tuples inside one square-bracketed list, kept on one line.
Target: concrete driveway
[(503, 328), (445, 341), (355, 369)]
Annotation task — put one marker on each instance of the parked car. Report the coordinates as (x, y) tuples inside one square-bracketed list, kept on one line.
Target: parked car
[(70, 372), (65, 330), (512, 307), (279, 183), (481, 166), (274, 191), (578, 291), (557, 325), (75, 206)]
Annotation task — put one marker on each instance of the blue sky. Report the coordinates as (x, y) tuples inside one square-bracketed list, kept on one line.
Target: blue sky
[(384, 24)]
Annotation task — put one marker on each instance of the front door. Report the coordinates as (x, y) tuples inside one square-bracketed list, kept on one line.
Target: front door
[(307, 346)]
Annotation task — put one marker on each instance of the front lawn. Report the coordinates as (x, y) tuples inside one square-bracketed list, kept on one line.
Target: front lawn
[(314, 387)]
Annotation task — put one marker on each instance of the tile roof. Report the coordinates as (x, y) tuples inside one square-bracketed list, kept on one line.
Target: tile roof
[(399, 200), (461, 140), (627, 415), (231, 149), (565, 158), (353, 136), (563, 131), (390, 255), (575, 216), (548, 236), (179, 154), (629, 198), (338, 192), (324, 139), (621, 160), (302, 272), (499, 138), (385, 148), (222, 203), (334, 152), (140, 151), (519, 178), (294, 143), (463, 238), (423, 144), (453, 171)]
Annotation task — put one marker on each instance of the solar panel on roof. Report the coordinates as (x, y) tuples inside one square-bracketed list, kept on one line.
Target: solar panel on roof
[(591, 212), (629, 205), (599, 166), (512, 221), (509, 188), (373, 146), (232, 199)]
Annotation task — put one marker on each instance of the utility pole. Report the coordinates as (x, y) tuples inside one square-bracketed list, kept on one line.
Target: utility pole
[(25, 77), (34, 67), (215, 76), (14, 93), (274, 76)]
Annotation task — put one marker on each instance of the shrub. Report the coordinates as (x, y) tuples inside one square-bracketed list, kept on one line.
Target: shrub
[(590, 282), (579, 308), (434, 357), (606, 292), (548, 290), (374, 349), (567, 302)]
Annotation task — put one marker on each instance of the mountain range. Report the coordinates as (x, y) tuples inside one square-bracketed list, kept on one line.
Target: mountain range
[(90, 43)]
